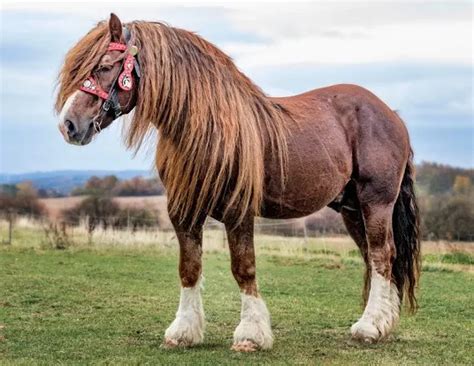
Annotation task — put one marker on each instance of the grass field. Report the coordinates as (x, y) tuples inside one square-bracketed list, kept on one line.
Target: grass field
[(111, 305)]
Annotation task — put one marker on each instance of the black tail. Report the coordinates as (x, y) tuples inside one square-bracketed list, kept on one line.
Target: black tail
[(406, 267)]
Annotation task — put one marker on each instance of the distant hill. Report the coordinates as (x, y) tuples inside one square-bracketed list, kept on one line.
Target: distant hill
[(64, 181)]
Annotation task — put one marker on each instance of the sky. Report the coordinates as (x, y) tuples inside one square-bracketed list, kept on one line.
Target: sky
[(416, 56)]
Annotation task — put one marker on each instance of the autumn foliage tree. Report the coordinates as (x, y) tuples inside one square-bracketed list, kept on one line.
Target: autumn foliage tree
[(21, 199), (450, 218), (462, 184), (139, 186), (97, 186), (446, 200), (436, 179), (96, 210)]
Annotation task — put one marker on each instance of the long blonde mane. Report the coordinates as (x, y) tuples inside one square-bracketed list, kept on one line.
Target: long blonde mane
[(214, 123)]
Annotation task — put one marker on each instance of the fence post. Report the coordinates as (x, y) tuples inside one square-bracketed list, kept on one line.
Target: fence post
[(223, 237), (10, 227), (63, 228), (9, 217), (90, 229), (305, 232)]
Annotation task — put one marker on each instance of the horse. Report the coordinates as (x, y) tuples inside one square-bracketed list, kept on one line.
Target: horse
[(228, 151)]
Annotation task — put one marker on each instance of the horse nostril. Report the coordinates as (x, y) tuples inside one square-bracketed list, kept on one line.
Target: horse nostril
[(70, 126)]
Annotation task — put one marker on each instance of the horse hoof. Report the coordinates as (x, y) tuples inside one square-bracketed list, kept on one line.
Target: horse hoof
[(365, 331), (171, 343), (245, 346)]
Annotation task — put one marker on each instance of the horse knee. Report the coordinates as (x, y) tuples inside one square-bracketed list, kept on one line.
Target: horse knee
[(244, 273), (379, 232), (381, 259), (190, 272)]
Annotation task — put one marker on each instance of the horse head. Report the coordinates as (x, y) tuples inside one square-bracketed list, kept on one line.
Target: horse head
[(108, 92)]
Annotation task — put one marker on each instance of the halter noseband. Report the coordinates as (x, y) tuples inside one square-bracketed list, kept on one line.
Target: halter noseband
[(124, 79)]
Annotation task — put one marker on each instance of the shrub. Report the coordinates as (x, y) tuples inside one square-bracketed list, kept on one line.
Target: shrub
[(57, 236), (98, 210), (136, 218), (105, 212), (21, 199)]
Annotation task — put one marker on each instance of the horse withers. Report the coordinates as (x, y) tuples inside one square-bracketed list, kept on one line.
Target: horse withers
[(228, 151)]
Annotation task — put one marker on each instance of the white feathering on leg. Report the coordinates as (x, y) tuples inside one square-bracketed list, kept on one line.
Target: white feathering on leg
[(255, 325), (188, 327), (382, 311)]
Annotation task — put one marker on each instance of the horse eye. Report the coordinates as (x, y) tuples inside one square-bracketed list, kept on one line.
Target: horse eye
[(104, 68)]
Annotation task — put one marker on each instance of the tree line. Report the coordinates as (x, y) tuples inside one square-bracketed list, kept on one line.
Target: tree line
[(137, 186)]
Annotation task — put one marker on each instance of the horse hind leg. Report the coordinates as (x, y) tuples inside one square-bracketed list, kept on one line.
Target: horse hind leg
[(382, 309)]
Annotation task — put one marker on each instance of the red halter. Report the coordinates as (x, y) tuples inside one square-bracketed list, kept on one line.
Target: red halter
[(125, 79)]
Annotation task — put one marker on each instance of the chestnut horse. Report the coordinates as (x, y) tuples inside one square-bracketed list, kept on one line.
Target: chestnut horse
[(228, 151)]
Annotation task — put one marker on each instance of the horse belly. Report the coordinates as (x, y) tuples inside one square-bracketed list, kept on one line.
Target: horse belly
[(319, 167)]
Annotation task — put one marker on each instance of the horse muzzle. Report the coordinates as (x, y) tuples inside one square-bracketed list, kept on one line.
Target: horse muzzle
[(75, 135)]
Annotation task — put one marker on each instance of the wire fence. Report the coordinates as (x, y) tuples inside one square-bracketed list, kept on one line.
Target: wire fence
[(290, 235), (293, 236)]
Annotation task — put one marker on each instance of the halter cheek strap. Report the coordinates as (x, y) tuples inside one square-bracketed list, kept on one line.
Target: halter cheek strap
[(125, 80)]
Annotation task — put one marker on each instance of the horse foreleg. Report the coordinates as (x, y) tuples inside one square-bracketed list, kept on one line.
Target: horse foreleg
[(254, 330), (188, 327)]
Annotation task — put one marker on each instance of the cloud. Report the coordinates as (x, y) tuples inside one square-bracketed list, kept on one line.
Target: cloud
[(300, 19), (417, 56), (353, 33), (410, 44)]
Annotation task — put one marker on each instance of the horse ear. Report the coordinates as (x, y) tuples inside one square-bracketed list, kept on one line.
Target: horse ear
[(115, 28)]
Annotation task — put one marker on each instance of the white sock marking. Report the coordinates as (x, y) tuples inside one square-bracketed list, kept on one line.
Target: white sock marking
[(188, 327), (255, 323), (382, 311)]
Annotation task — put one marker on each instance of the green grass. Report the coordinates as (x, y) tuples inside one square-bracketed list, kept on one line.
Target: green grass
[(113, 306), (451, 258)]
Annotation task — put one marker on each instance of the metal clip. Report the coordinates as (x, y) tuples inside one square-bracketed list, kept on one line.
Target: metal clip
[(106, 106)]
